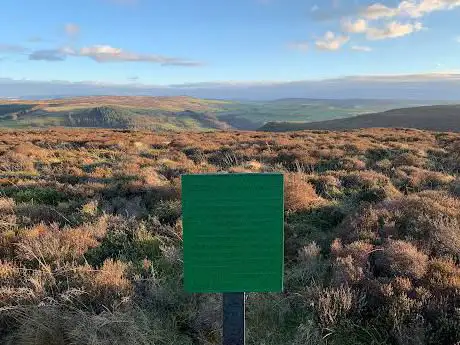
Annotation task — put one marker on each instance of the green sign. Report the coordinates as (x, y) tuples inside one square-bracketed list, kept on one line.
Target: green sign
[(233, 232)]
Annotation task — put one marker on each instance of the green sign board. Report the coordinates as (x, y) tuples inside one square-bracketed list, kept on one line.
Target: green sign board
[(233, 232)]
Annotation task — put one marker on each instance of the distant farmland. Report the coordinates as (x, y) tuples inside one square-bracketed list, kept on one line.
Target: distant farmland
[(436, 118), (180, 113)]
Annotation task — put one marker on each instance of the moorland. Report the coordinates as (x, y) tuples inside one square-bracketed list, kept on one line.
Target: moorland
[(91, 237)]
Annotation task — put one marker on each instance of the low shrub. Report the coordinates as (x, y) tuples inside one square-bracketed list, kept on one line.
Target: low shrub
[(416, 179), (310, 267), (455, 188), (443, 275), (8, 220), (295, 160), (126, 240), (432, 219), (47, 196), (333, 304), (400, 258), (168, 212), (368, 223), (225, 158), (409, 159), (48, 244), (298, 193), (326, 186)]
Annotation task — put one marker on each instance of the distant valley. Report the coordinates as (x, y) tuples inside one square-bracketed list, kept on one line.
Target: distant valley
[(182, 113), (437, 118)]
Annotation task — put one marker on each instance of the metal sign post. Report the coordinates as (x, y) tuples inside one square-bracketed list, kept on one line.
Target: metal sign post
[(233, 240), (234, 322)]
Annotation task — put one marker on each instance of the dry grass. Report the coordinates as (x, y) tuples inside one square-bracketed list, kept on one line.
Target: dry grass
[(91, 231), (334, 304), (298, 193)]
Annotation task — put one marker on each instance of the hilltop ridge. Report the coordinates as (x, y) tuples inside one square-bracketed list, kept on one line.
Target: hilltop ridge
[(436, 118)]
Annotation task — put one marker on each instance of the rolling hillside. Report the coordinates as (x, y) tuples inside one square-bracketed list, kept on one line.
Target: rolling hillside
[(181, 113), (253, 115), (148, 113), (438, 118)]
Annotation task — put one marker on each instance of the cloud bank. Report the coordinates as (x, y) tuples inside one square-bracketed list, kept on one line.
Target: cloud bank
[(441, 86), (378, 21), (392, 30), (409, 8)]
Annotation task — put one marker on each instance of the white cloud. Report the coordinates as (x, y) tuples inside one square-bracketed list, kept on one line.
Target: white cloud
[(299, 45), (379, 21), (386, 27), (105, 53), (72, 29), (358, 26), (331, 41), (409, 8), (457, 39), (377, 11), (392, 30), (362, 48)]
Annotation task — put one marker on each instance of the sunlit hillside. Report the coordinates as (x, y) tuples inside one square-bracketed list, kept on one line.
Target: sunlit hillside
[(180, 113)]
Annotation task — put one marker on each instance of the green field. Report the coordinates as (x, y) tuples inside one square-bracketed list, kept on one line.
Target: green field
[(435, 118), (304, 110), (181, 113)]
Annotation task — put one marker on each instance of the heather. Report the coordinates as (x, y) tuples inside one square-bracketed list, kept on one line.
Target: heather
[(91, 237)]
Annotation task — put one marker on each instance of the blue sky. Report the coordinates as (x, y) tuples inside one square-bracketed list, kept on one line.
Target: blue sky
[(155, 42)]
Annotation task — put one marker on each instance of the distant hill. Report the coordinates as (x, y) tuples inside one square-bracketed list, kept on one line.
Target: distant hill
[(182, 113), (437, 118), (148, 113)]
